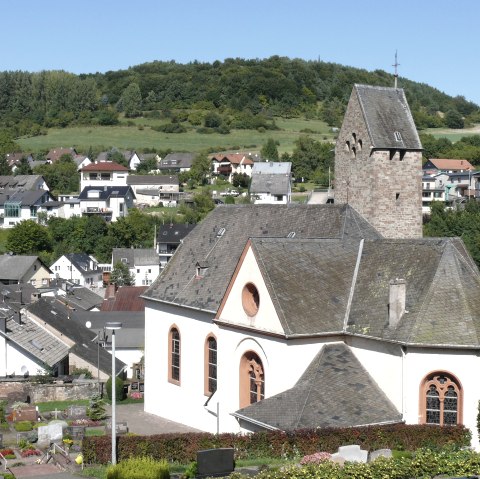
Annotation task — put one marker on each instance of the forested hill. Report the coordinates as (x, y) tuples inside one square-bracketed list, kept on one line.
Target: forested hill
[(275, 86)]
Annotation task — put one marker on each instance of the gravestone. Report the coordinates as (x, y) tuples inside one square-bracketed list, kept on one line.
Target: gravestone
[(77, 411), (351, 453), (22, 436), (25, 414), (77, 432), (52, 432), (121, 426), (380, 453), (215, 462)]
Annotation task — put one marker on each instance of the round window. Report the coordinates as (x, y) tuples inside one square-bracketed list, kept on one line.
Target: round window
[(250, 299)]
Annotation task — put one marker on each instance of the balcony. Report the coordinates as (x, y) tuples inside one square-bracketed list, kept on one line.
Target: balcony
[(92, 210)]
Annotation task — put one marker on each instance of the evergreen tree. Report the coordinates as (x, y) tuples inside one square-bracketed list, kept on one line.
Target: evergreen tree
[(269, 150), (96, 409), (121, 275)]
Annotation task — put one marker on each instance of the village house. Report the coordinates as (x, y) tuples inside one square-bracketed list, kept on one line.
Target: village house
[(177, 162), (271, 183), (169, 238), (143, 263), (344, 305), (150, 190), (17, 269), (105, 173), (20, 205), (79, 268), (443, 165), (226, 165), (109, 202)]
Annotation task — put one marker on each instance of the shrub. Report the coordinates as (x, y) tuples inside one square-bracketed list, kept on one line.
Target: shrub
[(23, 426), (183, 448), (30, 452), (8, 453), (118, 388), (316, 458), (139, 468), (96, 409)]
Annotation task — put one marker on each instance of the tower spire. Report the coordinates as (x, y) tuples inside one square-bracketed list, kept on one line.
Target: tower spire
[(396, 64)]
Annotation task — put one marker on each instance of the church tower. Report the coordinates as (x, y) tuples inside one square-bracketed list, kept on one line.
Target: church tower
[(378, 161)]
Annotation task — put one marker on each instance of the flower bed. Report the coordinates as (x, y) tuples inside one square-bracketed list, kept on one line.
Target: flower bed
[(30, 452), (8, 453), (86, 423), (316, 458)]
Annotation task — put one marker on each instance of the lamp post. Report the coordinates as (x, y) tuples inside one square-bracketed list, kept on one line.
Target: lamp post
[(88, 324), (113, 326)]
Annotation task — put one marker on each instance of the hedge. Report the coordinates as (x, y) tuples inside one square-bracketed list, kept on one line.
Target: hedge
[(182, 448)]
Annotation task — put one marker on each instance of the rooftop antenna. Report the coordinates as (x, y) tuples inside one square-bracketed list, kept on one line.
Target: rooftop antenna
[(396, 64)]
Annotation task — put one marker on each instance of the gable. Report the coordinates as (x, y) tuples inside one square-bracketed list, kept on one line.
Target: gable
[(237, 306)]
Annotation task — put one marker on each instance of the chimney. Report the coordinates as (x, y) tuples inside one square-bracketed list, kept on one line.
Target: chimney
[(396, 302)]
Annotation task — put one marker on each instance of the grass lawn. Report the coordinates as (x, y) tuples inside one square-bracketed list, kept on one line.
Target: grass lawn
[(94, 432), (451, 134), (60, 405), (132, 137)]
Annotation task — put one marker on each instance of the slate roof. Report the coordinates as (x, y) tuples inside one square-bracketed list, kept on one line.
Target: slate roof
[(14, 267), (132, 334), (152, 180), (81, 261), (272, 167), (275, 184), (334, 391), (127, 298), (222, 235), (177, 160), (174, 233), (36, 340), (386, 111), (24, 197), (25, 182), (105, 192), (310, 283), (17, 295), (104, 166), (81, 298), (135, 256), (58, 317)]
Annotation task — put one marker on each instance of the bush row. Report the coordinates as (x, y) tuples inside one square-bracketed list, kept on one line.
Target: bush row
[(426, 464), (183, 448)]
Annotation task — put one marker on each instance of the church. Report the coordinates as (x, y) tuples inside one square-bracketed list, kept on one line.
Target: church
[(301, 316)]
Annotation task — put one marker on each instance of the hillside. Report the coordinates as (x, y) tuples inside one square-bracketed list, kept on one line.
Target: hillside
[(216, 97)]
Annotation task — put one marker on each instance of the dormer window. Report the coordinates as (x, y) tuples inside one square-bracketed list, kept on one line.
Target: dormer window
[(200, 270), (124, 260), (398, 136)]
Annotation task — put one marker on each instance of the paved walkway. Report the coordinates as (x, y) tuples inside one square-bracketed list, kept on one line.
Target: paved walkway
[(140, 422)]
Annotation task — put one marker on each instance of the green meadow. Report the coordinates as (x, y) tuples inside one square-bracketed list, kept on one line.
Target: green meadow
[(140, 135)]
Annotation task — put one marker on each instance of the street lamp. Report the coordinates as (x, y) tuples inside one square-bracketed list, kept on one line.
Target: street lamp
[(113, 326), (99, 338)]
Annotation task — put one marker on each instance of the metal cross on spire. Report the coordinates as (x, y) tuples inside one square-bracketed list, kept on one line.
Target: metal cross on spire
[(396, 64)]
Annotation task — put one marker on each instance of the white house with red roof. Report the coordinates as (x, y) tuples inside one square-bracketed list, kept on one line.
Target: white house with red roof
[(444, 165), (228, 164), (104, 173)]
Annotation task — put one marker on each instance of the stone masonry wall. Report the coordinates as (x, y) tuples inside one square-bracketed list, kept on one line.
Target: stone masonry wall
[(386, 191), (25, 391)]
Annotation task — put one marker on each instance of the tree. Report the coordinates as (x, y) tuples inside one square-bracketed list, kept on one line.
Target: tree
[(132, 100), (121, 275), (212, 120), (28, 237), (5, 169), (269, 151), (200, 170), (118, 388), (310, 155), (7, 143), (453, 119), (23, 168), (96, 409)]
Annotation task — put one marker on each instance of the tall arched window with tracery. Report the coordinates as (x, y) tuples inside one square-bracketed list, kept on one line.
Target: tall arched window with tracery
[(252, 379), (174, 355), (441, 400), (210, 365)]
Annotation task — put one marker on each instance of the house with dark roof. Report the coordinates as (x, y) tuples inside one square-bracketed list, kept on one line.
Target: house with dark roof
[(78, 268), (177, 162), (294, 316), (17, 269), (109, 202), (143, 263), (23, 182), (271, 182), (150, 190), (18, 205), (169, 238)]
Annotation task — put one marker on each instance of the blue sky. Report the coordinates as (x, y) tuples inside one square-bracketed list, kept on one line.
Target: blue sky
[(437, 40)]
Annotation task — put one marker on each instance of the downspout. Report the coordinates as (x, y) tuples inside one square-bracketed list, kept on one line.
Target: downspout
[(403, 349)]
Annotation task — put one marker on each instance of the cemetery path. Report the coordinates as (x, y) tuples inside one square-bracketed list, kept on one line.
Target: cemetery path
[(140, 422)]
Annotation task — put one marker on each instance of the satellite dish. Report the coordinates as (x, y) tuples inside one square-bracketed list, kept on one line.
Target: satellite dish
[(88, 324)]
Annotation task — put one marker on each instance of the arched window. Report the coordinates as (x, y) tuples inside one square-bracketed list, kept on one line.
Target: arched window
[(210, 365), (174, 356), (252, 379), (441, 400)]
